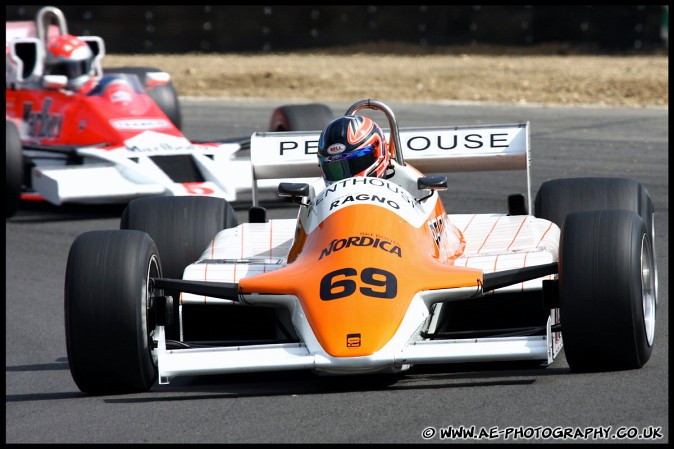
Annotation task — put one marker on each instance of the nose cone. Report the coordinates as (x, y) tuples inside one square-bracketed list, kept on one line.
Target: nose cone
[(356, 277)]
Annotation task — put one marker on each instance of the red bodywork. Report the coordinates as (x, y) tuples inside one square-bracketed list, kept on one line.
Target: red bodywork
[(54, 117)]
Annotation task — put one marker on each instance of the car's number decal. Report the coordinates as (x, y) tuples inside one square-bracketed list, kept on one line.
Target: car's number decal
[(374, 278)]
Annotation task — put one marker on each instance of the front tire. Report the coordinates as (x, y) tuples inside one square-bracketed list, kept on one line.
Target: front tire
[(558, 198), (607, 290), (107, 315)]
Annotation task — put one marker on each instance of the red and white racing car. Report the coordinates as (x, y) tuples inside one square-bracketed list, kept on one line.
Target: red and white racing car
[(367, 278), (119, 140)]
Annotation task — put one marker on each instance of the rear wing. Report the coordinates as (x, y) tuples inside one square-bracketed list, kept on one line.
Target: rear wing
[(432, 150), (23, 61)]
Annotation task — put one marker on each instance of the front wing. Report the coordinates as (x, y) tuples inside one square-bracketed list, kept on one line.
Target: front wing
[(404, 350), (150, 164)]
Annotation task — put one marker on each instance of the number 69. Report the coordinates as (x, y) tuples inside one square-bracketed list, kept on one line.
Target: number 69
[(379, 284)]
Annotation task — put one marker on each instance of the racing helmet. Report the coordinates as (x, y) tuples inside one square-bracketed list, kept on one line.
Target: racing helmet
[(352, 146), (70, 56)]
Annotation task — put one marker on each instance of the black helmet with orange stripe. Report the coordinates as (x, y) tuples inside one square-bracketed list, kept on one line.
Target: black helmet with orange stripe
[(352, 146)]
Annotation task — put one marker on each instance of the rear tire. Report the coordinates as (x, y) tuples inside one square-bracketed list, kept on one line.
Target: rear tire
[(165, 96), (607, 290), (13, 169), (108, 327), (559, 197), (182, 228), (300, 117)]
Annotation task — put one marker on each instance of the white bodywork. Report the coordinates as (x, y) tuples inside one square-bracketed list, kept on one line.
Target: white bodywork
[(129, 172)]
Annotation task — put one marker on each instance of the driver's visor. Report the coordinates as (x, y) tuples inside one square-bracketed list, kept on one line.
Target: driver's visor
[(346, 165), (71, 69)]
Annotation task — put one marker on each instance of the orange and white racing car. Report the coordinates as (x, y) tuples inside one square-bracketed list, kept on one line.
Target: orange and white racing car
[(373, 276)]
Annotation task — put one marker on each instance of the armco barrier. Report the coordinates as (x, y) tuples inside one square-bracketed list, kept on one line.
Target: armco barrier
[(201, 28)]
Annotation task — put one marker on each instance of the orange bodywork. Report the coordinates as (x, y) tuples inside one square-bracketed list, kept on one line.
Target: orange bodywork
[(356, 274)]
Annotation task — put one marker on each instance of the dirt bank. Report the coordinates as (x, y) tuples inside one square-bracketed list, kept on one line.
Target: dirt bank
[(412, 74)]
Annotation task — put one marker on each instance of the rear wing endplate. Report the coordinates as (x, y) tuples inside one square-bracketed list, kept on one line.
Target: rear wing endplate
[(432, 150)]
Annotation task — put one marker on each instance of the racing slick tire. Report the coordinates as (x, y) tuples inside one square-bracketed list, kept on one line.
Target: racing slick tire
[(559, 197), (107, 315), (165, 96), (181, 227), (13, 169), (300, 117), (607, 290)]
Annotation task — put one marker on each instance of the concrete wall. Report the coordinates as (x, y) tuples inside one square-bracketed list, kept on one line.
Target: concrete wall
[(201, 28)]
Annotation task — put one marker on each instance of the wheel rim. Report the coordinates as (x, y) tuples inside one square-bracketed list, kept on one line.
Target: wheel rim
[(153, 272), (648, 288), (655, 267)]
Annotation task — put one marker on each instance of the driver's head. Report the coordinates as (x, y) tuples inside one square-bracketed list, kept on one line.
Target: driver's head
[(70, 56), (352, 146)]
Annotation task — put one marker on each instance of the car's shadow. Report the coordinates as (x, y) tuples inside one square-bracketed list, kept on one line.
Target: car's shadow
[(290, 383)]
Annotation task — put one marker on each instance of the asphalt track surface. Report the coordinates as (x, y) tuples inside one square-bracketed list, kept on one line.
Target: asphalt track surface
[(43, 404)]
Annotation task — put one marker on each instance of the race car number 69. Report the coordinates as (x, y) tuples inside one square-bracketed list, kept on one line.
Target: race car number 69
[(369, 276)]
